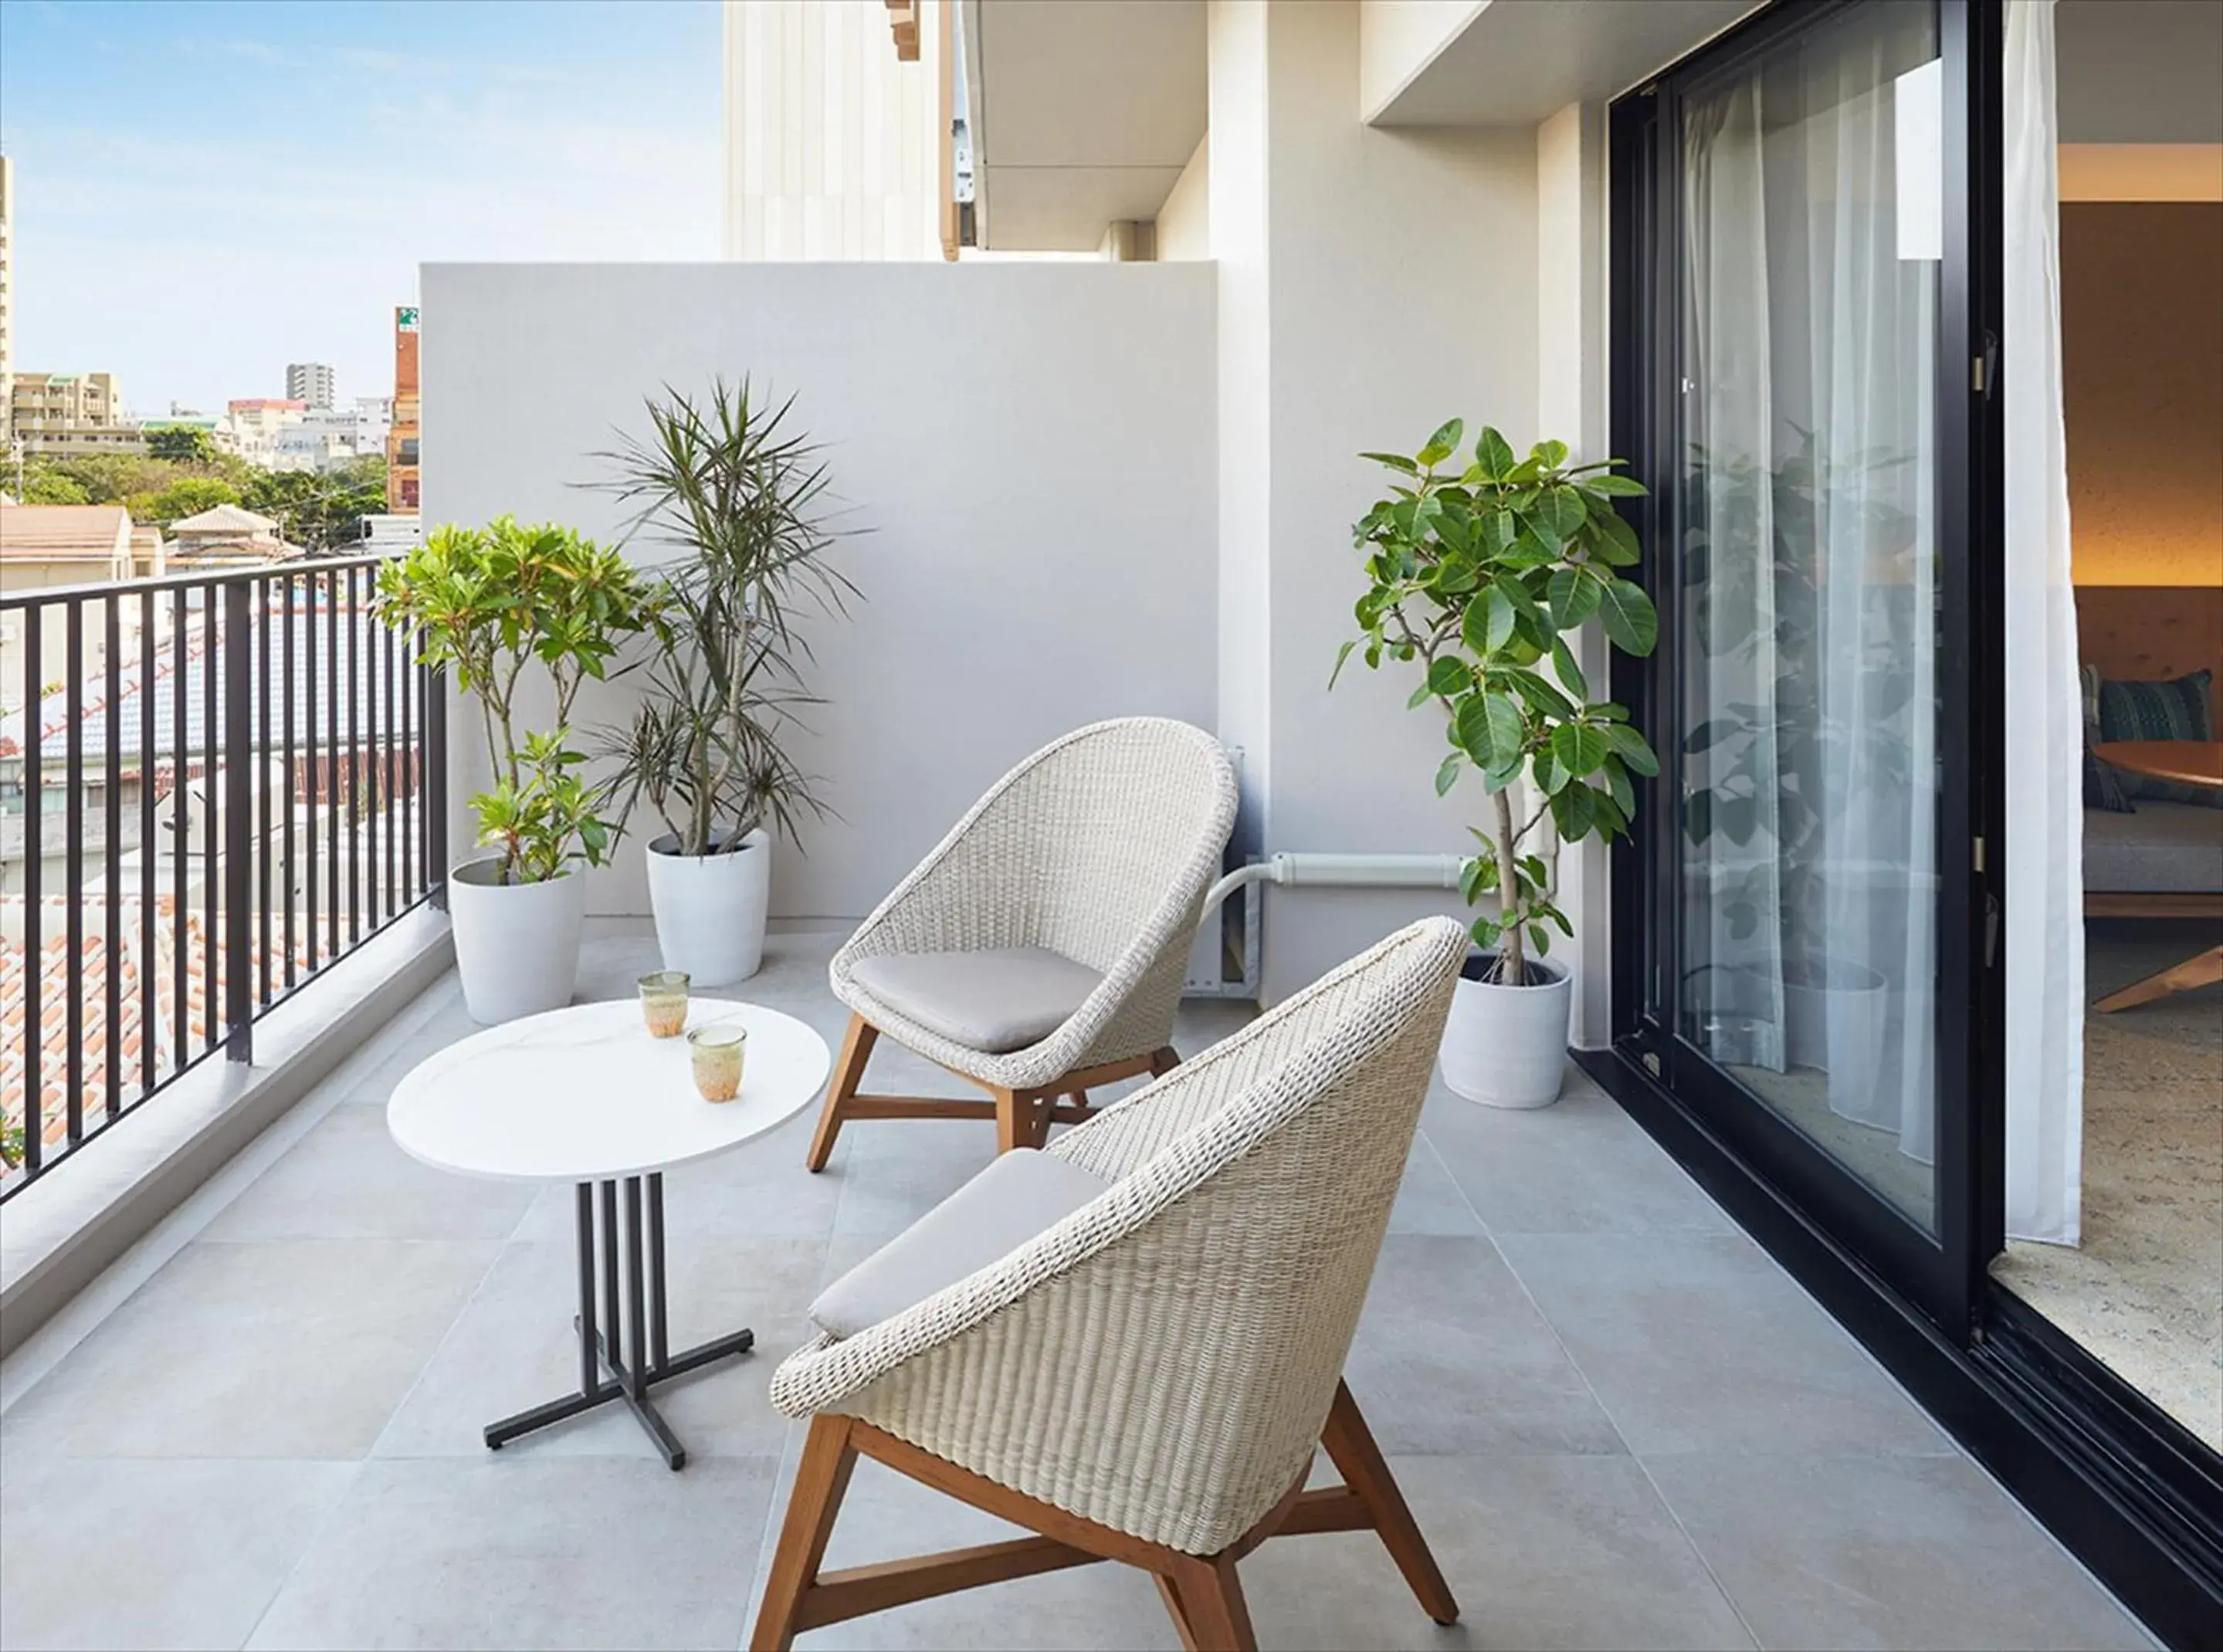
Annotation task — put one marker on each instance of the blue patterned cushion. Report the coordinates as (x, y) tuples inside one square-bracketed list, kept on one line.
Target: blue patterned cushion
[(2103, 783), (2175, 710)]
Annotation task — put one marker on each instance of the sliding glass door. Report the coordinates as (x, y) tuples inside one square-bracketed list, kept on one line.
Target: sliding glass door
[(1808, 396)]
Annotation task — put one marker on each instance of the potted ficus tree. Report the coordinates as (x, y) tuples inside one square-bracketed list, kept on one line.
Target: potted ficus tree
[(738, 496), (488, 604), (1478, 574)]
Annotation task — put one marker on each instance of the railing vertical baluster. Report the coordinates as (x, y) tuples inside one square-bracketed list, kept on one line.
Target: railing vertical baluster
[(262, 741), (181, 837), (411, 779), (436, 785), (238, 820), (73, 878), (35, 850), (386, 782), (293, 780), (212, 818), (309, 741), (150, 1008), (111, 856), (356, 819), (332, 764)]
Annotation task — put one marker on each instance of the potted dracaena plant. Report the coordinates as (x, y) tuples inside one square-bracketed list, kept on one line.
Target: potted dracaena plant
[(488, 604), (1478, 573), (739, 496)]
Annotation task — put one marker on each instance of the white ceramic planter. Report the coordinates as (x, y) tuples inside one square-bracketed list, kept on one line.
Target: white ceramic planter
[(710, 908), (1836, 1026), (1506, 1046), (517, 945)]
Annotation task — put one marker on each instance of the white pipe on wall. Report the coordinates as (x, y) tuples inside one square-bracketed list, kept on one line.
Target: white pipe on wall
[(1341, 872)]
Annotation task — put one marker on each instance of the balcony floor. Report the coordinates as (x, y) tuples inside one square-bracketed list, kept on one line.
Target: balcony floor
[(1621, 1425)]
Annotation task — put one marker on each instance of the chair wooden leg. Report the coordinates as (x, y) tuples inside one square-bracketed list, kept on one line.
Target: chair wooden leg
[(1174, 1610), (1014, 1121), (1351, 1446), (1163, 1060), (828, 1456), (1211, 1597), (2200, 971), (848, 1075)]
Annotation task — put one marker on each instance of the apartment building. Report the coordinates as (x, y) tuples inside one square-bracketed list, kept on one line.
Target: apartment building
[(311, 382), (7, 295), (70, 413)]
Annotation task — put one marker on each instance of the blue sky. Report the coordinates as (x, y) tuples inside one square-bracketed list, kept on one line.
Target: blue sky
[(205, 192)]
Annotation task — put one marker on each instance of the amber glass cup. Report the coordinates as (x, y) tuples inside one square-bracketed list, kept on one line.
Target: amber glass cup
[(717, 1052), (664, 1002)]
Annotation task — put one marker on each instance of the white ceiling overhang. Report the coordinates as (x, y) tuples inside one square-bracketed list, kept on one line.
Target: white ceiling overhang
[(1083, 112), (1517, 62)]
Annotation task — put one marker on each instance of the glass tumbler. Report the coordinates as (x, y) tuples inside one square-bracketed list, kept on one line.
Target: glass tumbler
[(664, 1002), (717, 1052)]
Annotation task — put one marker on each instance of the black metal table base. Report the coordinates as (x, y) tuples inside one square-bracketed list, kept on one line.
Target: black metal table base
[(633, 1357)]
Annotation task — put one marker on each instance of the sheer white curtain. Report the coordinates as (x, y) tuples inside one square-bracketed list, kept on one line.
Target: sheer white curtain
[(1811, 888), (2044, 720)]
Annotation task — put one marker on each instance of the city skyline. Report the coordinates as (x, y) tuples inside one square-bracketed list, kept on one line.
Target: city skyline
[(207, 192)]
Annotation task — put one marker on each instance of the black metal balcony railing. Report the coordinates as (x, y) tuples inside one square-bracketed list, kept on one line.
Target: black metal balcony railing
[(212, 789)]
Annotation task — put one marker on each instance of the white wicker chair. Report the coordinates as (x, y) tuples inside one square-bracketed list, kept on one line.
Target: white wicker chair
[(1098, 848), (1145, 1380)]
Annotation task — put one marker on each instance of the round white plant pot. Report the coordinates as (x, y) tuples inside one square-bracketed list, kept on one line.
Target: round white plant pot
[(517, 945), (1506, 1046), (710, 908)]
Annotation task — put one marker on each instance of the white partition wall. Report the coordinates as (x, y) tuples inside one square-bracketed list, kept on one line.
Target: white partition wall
[(1028, 450)]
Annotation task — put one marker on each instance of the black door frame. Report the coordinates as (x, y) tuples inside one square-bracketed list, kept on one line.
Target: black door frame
[(1941, 1271), (2125, 1487)]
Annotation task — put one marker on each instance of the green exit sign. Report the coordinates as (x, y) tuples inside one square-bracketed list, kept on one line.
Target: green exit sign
[(404, 318)]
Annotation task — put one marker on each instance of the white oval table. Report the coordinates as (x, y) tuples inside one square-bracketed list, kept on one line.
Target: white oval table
[(585, 1096)]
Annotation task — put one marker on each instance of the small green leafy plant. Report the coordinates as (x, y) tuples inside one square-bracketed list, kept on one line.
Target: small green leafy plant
[(487, 603), (1478, 573)]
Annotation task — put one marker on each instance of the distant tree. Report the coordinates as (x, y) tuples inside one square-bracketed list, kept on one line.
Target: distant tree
[(113, 478), (320, 511), (185, 443), (187, 496), (46, 484)]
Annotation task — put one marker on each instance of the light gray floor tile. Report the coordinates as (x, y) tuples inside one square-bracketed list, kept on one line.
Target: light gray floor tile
[(1698, 1343), (1428, 1200), (1539, 1551), (346, 1179), (291, 1349), (518, 1552), (1876, 1553), (1580, 1166), (102, 1553), (1452, 1356), (513, 1347)]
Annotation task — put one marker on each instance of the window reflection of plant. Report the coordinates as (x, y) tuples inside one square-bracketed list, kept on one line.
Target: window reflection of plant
[(1797, 735)]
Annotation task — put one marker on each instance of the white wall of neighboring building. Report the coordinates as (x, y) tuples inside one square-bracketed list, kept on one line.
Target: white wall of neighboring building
[(832, 147), (1397, 38), (1027, 451)]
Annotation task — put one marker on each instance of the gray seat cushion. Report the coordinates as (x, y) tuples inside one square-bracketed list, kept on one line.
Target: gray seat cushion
[(1019, 1195), (996, 1001), (2171, 848)]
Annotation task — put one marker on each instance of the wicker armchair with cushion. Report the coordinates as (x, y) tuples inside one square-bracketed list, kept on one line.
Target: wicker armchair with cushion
[(1132, 1343), (1040, 949)]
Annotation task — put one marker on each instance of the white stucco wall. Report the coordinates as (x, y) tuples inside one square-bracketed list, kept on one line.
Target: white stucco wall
[(1397, 38), (1398, 270), (1185, 221), (1028, 448)]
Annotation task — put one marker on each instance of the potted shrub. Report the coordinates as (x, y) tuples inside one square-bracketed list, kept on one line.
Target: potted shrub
[(738, 497), (488, 604), (1478, 573)]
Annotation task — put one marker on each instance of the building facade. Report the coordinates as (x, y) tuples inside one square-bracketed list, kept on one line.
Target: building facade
[(67, 414), (6, 297), (311, 382), (255, 422), (401, 483), (835, 147)]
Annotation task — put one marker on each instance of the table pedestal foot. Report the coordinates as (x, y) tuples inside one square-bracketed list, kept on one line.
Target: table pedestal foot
[(628, 1380)]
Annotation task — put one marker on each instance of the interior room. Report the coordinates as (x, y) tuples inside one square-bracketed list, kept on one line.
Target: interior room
[(2132, 1269)]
